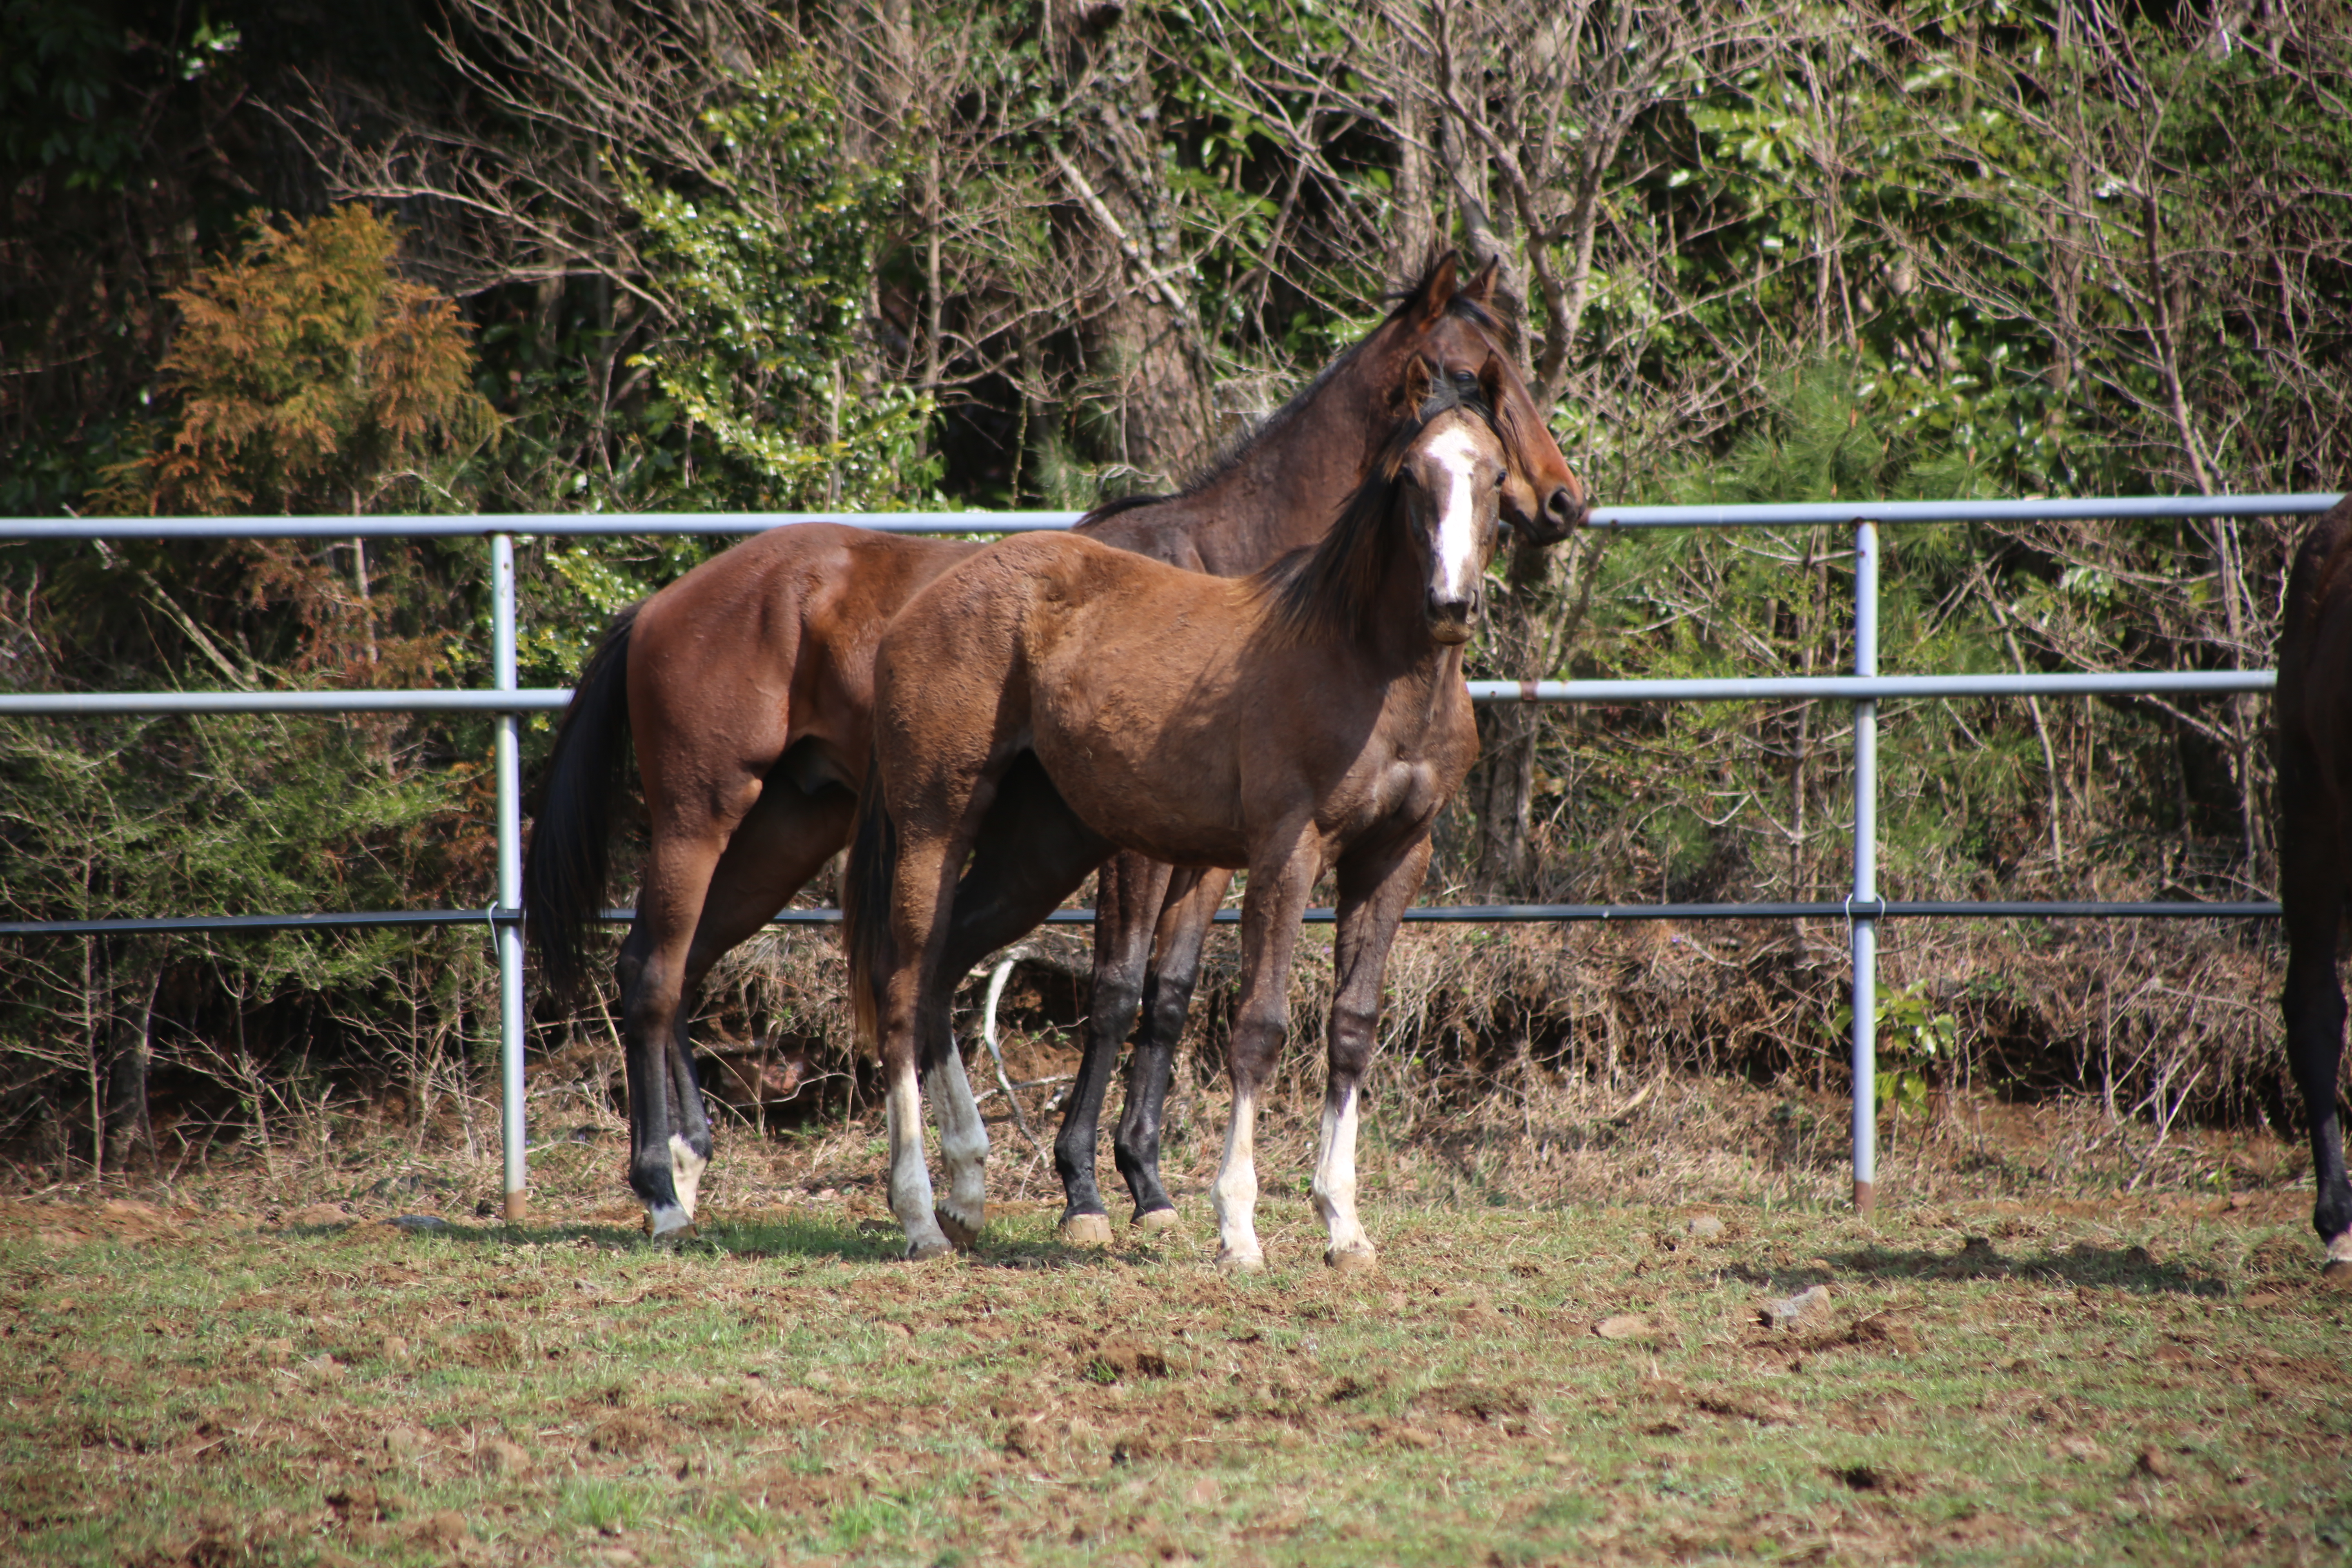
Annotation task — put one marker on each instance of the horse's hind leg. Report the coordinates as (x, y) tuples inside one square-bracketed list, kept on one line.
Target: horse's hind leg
[(1129, 893), (654, 998), (930, 826), (2310, 894), (783, 840), (1184, 922), (1032, 853)]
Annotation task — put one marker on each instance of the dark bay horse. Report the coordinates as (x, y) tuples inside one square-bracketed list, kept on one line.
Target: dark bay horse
[(746, 686), (2314, 740), (1310, 718)]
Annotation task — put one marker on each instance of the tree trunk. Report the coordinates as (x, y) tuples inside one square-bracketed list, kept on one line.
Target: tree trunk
[(1416, 220), (1145, 337), (137, 970)]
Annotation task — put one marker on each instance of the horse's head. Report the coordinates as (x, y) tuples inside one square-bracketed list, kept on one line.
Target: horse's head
[(1458, 330), (1454, 473)]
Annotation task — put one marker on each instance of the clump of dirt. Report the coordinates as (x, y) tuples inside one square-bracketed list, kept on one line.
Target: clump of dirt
[(1117, 1360), (629, 1432)]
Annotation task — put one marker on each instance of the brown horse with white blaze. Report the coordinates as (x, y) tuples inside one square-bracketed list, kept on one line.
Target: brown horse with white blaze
[(1310, 719), (2314, 740), (746, 690)]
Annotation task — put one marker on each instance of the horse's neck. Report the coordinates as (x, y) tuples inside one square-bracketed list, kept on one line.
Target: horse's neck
[(1396, 635), (1285, 491)]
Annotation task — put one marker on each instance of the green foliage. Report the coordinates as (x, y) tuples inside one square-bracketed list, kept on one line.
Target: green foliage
[(771, 263), (1705, 800), (1874, 251), (1913, 1040), (59, 103)]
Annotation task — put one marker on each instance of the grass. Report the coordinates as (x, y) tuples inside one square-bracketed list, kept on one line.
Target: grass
[(2151, 1375)]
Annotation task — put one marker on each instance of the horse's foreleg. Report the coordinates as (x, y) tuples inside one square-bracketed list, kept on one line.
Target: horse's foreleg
[(1278, 887), (910, 1179), (1185, 920), (1374, 893), (1128, 895), (2312, 897)]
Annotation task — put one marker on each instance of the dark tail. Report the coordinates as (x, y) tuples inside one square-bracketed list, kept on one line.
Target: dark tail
[(865, 880), (563, 871)]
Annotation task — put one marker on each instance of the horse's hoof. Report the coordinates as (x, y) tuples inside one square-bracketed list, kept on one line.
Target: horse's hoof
[(923, 1252), (2337, 1274), (1154, 1221), (1087, 1229), (1350, 1259), (1230, 1262), (669, 1220), (960, 1235)]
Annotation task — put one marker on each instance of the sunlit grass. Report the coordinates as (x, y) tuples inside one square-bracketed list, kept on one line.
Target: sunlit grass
[(2152, 1377)]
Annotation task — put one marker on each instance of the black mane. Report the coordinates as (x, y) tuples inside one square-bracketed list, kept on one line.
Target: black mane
[(1238, 450)]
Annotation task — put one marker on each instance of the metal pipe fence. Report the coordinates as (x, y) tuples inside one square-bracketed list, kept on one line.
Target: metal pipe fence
[(508, 701)]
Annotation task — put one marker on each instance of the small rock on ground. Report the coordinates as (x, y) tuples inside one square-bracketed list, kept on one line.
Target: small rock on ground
[(1805, 1306)]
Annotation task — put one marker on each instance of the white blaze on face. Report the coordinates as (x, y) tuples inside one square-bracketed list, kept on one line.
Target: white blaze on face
[(1455, 455)]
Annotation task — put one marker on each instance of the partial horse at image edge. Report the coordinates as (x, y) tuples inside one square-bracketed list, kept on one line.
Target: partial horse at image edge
[(2313, 754)]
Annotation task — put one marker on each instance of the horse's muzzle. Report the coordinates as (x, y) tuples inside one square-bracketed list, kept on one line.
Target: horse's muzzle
[(1568, 507), (1449, 620)]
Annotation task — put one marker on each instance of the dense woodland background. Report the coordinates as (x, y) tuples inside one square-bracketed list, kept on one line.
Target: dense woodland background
[(444, 256)]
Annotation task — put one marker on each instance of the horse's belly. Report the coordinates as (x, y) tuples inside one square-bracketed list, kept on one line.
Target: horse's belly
[(1133, 713), (1162, 788)]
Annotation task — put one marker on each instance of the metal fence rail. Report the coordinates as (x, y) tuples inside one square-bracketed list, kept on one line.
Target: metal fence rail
[(1865, 688)]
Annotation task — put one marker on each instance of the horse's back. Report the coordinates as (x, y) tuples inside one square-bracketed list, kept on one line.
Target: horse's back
[(1162, 529), (1023, 599), (771, 641)]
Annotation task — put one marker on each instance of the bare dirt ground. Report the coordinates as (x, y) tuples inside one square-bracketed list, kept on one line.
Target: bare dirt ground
[(2057, 1342)]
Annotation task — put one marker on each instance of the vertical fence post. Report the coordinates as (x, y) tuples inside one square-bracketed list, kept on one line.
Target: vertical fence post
[(1865, 873), (505, 925)]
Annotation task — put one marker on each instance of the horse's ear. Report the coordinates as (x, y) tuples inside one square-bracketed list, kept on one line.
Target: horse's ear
[(1438, 286), (1481, 287), (1414, 390)]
